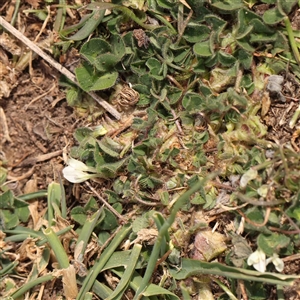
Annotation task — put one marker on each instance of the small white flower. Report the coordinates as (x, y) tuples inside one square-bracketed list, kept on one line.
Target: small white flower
[(76, 171), (277, 262), (258, 260), (79, 165)]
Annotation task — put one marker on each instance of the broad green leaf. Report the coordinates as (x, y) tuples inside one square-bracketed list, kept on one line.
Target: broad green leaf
[(294, 212), (10, 219), (109, 222), (244, 33), (226, 59), (192, 102), (91, 80), (73, 96), (287, 6), (196, 33), (110, 169), (245, 45), (117, 46), (245, 58), (261, 28), (256, 215), (215, 22), (272, 243), (153, 63), (23, 213), (107, 149), (229, 5), (82, 133), (93, 48), (78, 214), (140, 223), (203, 49), (7, 200), (106, 62), (181, 55), (273, 16)]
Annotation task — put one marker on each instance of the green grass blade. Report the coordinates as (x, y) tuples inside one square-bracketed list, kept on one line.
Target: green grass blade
[(97, 268), (126, 277), (90, 25), (6, 270), (30, 196), (225, 289), (85, 233), (162, 233), (192, 267), (57, 248), (54, 200), (26, 287), (291, 36)]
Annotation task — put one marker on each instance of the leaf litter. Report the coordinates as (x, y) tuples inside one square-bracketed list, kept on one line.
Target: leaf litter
[(213, 106)]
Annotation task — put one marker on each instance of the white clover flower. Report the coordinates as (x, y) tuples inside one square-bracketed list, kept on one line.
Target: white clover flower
[(258, 260), (277, 262), (76, 171)]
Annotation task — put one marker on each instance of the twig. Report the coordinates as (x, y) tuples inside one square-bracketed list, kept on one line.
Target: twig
[(23, 176), (57, 66), (146, 202), (241, 285), (33, 160), (44, 24), (39, 97), (291, 257), (109, 240), (106, 203), (267, 215), (22, 158)]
